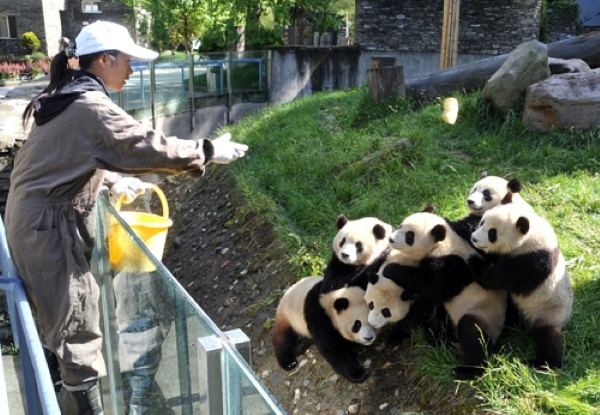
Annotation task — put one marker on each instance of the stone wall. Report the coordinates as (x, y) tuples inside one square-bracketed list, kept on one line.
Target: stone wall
[(73, 19), (28, 15), (487, 28)]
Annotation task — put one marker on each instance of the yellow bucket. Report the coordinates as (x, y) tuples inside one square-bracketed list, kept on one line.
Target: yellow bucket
[(123, 252)]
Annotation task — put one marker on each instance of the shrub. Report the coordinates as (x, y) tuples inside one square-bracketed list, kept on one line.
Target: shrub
[(30, 41)]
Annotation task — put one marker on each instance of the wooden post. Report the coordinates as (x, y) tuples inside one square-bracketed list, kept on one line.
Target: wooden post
[(383, 61), (450, 26), (386, 82)]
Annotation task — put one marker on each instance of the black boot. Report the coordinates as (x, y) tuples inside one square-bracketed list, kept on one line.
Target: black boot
[(84, 402)]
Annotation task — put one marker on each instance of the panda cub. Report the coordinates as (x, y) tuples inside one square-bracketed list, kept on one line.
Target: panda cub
[(528, 264), (336, 322), (446, 279), (359, 245), (487, 193), (390, 303)]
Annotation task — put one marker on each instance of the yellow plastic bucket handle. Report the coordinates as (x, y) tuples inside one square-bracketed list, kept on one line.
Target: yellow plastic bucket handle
[(159, 193)]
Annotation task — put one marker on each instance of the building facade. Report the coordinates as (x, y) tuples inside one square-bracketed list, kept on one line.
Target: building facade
[(52, 19)]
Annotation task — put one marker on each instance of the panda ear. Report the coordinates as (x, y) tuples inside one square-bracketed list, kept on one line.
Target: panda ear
[(341, 221), (379, 231), (340, 304), (484, 174), (428, 209), (523, 225), (515, 185), (506, 199), (373, 277), (439, 233)]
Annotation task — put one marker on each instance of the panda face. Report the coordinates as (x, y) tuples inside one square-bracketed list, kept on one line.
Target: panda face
[(502, 230), (486, 194), (360, 241), (349, 314), (383, 298), (419, 234)]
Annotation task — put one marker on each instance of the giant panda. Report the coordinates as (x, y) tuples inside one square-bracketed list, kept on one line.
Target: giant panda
[(390, 303), (447, 263), (359, 245), (530, 266), (486, 193), (336, 322)]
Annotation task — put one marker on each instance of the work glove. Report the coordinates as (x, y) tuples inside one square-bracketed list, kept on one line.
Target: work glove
[(225, 151), (129, 187)]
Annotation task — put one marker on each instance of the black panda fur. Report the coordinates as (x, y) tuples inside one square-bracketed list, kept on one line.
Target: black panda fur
[(390, 303), (530, 266), (359, 246), (446, 278), (335, 321)]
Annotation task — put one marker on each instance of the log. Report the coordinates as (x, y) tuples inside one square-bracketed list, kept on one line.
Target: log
[(473, 76), (386, 83)]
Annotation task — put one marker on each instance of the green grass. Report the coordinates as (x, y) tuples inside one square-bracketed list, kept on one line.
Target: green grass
[(335, 153)]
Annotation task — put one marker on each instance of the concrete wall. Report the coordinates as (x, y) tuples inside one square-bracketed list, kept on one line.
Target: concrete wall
[(298, 71)]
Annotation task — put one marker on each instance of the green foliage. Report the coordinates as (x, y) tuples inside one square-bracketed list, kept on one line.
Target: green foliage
[(566, 9), (333, 153), (258, 36), (30, 41)]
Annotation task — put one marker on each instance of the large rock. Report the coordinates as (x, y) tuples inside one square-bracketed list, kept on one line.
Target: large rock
[(564, 101), (558, 66), (525, 65)]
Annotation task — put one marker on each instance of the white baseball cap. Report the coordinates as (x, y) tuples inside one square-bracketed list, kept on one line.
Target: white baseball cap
[(100, 36)]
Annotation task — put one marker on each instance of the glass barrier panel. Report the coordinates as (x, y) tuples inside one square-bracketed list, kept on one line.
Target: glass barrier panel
[(243, 393), (152, 326)]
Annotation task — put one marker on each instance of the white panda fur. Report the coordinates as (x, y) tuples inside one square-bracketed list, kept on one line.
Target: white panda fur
[(390, 303), (446, 264), (336, 321), (529, 264), (359, 245), (487, 193)]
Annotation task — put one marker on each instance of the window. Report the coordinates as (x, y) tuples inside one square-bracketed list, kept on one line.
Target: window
[(8, 26), (90, 6)]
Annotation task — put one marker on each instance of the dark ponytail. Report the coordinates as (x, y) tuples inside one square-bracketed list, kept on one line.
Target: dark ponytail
[(60, 75)]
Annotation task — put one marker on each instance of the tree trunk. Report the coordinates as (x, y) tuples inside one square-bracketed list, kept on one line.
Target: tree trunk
[(473, 76), (386, 83)]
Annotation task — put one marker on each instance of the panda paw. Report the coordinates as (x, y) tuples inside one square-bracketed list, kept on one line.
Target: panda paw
[(289, 365), (359, 374), (396, 337), (467, 372)]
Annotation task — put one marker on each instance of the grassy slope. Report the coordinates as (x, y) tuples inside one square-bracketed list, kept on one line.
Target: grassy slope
[(307, 164)]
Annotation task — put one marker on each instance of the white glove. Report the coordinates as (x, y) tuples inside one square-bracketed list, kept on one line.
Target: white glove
[(225, 151), (130, 187)]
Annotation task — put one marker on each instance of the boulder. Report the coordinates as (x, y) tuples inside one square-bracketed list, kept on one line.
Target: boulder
[(564, 101), (525, 65), (558, 66)]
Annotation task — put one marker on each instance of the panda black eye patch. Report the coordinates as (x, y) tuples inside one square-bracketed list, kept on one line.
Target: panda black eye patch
[(371, 305), (409, 238), (487, 195), (342, 242), (356, 327), (386, 313), (493, 235), (359, 247)]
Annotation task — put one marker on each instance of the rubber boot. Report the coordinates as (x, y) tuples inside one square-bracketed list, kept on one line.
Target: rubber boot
[(140, 387), (83, 402)]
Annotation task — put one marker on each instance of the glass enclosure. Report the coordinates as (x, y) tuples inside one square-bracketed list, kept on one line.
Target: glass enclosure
[(177, 83), (162, 350)]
